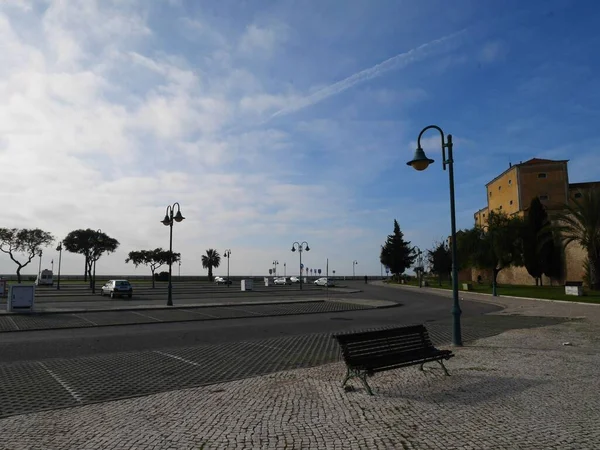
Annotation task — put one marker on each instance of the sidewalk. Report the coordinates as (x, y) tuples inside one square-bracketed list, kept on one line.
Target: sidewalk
[(522, 389), (514, 305)]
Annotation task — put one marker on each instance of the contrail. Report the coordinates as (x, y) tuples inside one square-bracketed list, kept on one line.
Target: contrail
[(398, 61)]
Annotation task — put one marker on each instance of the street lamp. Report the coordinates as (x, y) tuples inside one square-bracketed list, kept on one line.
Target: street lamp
[(300, 247), (97, 239), (40, 268), (179, 271), (354, 263), (284, 271), (420, 162), (59, 249), (227, 254), (168, 222), (275, 264)]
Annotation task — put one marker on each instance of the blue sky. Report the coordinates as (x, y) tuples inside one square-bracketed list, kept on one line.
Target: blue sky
[(272, 122)]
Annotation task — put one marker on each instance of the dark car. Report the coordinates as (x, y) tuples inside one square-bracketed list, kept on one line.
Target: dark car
[(116, 288)]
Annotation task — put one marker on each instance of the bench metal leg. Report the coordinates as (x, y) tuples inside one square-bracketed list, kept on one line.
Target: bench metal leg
[(441, 361), (362, 375)]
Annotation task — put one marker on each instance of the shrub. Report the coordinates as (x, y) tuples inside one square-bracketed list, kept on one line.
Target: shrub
[(162, 276)]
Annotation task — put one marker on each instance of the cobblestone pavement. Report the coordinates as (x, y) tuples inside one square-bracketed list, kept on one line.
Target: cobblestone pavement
[(43, 321), (521, 389), (55, 383)]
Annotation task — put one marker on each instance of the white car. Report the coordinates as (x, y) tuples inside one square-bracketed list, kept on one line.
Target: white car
[(281, 280), (294, 280), (323, 282), (221, 280), (116, 288)]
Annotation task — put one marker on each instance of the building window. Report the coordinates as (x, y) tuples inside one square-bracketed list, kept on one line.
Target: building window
[(543, 197), (509, 182), (511, 202), (541, 175), (499, 187), (490, 193), (578, 195), (500, 207), (483, 214)]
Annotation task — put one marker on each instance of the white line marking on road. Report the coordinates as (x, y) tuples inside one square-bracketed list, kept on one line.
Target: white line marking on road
[(87, 320), (11, 320), (145, 315), (178, 358), (60, 381), (200, 313)]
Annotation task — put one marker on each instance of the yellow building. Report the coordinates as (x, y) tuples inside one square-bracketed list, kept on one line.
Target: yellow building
[(512, 192)]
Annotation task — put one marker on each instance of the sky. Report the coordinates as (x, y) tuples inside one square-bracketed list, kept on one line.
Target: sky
[(280, 121)]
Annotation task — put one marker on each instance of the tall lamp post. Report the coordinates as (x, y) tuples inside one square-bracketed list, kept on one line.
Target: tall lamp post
[(354, 263), (97, 238), (227, 254), (300, 247), (179, 272), (284, 271), (275, 264), (168, 222), (59, 249), (420, 162), (40, 267)]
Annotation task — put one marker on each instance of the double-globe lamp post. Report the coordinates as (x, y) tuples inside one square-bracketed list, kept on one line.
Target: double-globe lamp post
[(300, 247), (275, 264), (420, 162), (168, 222), (227, 254), (59, 250)]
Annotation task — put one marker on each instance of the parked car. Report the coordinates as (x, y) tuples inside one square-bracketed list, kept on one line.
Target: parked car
[(294, 280), (116, 288), (323, 282), (282, 280), (45, 278), (221, 280)]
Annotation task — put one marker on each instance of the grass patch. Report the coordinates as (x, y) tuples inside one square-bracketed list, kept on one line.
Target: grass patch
[(543, 292)]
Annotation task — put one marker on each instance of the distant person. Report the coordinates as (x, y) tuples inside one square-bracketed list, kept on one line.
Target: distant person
[(366, 279)]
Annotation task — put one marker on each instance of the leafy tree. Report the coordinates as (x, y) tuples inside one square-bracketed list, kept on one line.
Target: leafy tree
[(210, 260), (90, 243), (538, 244), (580, 223), (495, 246), (440, 260), (152, 258), (396, 253), (24, 240)]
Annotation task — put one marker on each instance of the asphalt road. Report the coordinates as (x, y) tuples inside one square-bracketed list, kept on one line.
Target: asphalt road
[(416, 308), (69, 367)]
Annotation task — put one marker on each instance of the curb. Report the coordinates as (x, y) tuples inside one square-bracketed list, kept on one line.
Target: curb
[(192, 320)]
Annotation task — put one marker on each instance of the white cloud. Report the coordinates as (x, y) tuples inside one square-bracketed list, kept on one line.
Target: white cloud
[(260, 41)]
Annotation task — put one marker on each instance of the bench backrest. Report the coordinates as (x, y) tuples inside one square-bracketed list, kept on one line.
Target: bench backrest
[(358, 346)]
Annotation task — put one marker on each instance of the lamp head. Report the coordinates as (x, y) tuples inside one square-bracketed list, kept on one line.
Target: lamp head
[(178, 217), (307, 248), (293, 248), (166, 221), (420, 161)]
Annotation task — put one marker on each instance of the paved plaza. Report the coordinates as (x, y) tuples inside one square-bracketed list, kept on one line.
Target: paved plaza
[(526, 379)]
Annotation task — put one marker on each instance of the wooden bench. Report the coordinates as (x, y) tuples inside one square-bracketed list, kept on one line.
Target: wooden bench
[(368, 352)]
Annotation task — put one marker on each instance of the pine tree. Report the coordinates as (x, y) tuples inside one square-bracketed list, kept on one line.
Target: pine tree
[(397, 254)]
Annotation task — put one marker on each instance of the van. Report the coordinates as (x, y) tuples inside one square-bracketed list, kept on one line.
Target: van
[(45, 278)]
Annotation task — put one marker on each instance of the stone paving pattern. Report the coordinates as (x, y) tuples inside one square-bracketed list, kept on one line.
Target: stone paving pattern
[(522, 389)]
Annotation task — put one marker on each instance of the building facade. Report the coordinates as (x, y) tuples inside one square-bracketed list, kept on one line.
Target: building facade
[(512, 191)]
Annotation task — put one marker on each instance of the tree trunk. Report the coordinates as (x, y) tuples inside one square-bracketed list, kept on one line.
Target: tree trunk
[(89, 271), (85, 268), (152, 270), (495, 273), (541, 281), (594, 264), (19, 274), (210, 274)]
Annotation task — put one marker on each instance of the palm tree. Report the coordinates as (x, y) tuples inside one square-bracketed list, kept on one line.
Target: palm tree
[(210, 260), (580, 223)]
